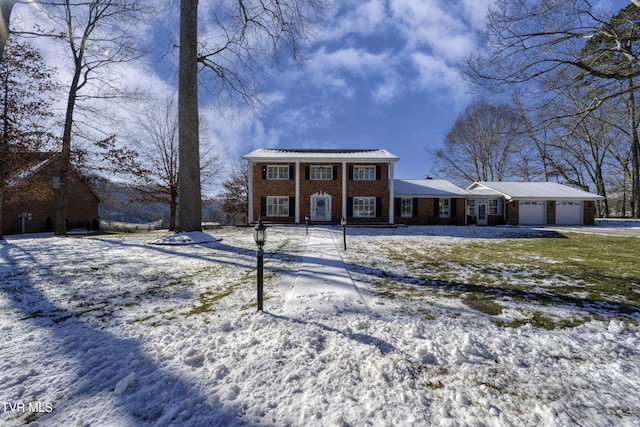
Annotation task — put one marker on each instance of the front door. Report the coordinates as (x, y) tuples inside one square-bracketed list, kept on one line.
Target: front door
[(321, 207), (482, 214)]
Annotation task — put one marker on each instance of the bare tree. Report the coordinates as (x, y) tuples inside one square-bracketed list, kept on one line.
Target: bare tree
[(233, 54), (235, 194), (98, 36), (529, 43), (26, 88), (157, 148), (484, 143)]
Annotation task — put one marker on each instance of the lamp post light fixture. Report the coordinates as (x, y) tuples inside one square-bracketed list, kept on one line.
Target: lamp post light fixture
[(306, 221), (260, 236), (343, 222)]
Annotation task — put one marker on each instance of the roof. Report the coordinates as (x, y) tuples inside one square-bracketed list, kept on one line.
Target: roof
[(426, 187), (531, 190), (371, 155)]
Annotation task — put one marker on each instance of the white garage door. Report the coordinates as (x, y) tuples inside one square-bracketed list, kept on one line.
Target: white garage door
[(569, 213), (532, 212)]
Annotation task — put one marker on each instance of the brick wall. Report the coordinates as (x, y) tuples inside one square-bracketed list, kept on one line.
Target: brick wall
[(426, 212), (82, 204), (263, 187), (513, 212), (589, 212)]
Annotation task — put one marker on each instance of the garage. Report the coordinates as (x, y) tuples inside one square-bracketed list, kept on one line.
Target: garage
[(569, 212), (532, 212)]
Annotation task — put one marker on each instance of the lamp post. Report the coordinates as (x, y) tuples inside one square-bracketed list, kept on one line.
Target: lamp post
[(260, 236), (306, 221), (343, 222)]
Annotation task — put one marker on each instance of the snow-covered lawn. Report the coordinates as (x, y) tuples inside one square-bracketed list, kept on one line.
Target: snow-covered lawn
[(113, 331)]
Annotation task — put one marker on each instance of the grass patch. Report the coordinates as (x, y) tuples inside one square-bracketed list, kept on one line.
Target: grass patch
[(579, 270)]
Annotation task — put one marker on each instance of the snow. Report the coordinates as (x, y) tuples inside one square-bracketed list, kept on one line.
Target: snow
[(114, 331)]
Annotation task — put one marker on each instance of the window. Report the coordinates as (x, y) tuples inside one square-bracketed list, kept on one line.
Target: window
[(493, 207), (471, 207), (406, 207), (277, 206), (321, 172), (364, 207), (444, 208), (277, 172), (364, 173)]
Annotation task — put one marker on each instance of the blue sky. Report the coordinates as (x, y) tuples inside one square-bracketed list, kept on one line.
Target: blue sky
[(377, 74)]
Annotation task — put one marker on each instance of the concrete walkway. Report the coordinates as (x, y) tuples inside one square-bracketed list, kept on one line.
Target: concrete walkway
[(323, 284)]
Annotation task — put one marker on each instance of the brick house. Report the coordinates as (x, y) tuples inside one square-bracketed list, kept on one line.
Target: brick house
[(286, 185), (30, 201), (429, 201)]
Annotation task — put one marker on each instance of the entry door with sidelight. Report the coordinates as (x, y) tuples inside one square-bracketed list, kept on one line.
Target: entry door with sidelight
[(320, 207)]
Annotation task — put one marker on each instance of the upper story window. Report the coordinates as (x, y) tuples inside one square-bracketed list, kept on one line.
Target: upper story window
[(364, 173), (406, 207), (321, 172), (277, 172)]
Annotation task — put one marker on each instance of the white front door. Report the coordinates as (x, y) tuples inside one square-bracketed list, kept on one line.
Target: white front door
[(482, 214), (321, 207)]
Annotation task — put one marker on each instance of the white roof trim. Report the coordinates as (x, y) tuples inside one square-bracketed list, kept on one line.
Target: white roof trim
[(363, 156)]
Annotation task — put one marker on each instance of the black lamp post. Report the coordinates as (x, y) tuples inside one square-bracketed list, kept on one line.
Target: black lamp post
[(260, 236), (343, 222), (306, 221)]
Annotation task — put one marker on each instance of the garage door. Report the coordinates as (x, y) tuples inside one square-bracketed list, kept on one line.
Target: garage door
[(569, 213), (532, 212)]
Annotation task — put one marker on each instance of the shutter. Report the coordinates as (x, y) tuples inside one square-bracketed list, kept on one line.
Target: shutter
[(378, 173), (398, 206), (452, 208), (350, 171), (415, 208), (350, 207), (378, 207), (263, 206), (436, 207), (264, 172), (335, 172), (292, 171), (307, 172), (292, 206)]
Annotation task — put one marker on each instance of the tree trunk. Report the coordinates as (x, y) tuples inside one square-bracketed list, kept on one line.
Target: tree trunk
[(635, 167), (189, 202), (65, 156)]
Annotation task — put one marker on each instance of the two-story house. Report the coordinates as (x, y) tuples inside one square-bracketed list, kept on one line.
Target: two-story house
[(287, 185)]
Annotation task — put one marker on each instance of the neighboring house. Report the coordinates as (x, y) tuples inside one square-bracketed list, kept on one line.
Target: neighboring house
[(429, 201), (529, 203), (30, 201), (286, 185)]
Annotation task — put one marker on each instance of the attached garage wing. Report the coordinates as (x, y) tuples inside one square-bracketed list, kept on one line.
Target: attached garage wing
[(532, 212), (569, 212)]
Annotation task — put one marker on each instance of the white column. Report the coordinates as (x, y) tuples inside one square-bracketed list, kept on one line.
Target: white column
[(344, 189), (250, 195), (297, 192), (391, 194)]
